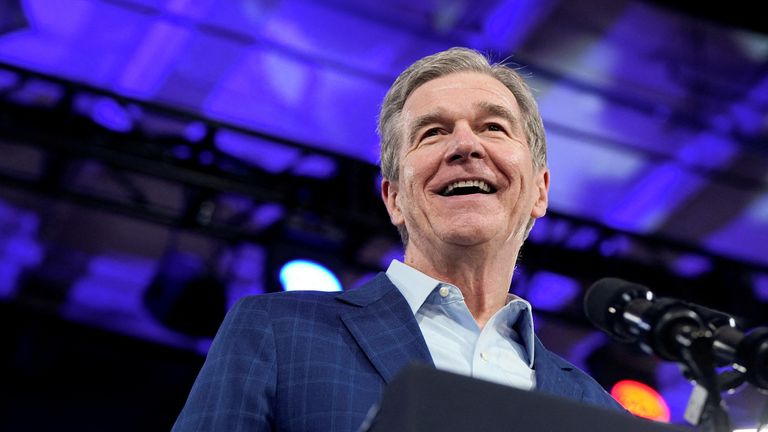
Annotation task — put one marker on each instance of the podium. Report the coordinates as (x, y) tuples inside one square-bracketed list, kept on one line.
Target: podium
[(424, 399)]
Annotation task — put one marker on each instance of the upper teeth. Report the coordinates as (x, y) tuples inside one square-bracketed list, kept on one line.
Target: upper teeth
[(468, 183)]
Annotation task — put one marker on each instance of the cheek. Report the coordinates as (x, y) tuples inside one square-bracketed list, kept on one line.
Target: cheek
[(515, 166), (515, 155), (414, 170), (405, 198), (407, 173), (406, 181)]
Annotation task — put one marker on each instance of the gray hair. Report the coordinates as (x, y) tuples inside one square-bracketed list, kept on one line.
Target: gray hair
[(453, 60)]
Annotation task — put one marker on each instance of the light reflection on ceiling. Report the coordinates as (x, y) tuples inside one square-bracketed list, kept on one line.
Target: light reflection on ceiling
[(657, 121), (648, 109)]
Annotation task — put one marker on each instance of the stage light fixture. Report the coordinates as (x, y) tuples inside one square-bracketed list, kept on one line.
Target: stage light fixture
[(305, 275)]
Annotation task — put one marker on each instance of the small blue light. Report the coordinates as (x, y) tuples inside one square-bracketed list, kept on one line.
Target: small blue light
[(552, 291), (108, 113), (195, 131), (315, 166), (617, 245), (303, 275), (691, 265), (583, 238), (266, 215)]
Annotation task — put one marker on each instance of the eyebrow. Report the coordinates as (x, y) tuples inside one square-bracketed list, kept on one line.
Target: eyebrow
[(491, 109), (487, 109), (421, 121)]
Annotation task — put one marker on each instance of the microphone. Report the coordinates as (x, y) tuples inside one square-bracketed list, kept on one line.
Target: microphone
[(666, 327)]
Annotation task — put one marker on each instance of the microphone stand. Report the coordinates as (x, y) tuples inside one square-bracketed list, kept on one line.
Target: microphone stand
[(706, 408), (698, 338)]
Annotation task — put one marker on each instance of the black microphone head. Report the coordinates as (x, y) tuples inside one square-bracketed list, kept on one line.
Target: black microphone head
[(606, 299)]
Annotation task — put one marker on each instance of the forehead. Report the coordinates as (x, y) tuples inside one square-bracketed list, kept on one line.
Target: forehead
[(458, 93)]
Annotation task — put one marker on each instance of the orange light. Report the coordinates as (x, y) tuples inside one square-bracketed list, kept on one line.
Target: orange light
[(641, 400)]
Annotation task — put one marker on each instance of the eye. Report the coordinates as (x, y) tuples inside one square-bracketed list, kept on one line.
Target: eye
[(495, 127), (431, 132)]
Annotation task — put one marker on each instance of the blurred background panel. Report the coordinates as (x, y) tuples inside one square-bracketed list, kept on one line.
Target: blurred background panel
[(160, 159)]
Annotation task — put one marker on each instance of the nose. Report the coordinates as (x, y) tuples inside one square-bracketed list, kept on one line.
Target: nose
[(465, 145)]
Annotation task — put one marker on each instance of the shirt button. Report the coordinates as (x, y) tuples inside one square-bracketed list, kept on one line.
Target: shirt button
[(484, 356), (444, 291)]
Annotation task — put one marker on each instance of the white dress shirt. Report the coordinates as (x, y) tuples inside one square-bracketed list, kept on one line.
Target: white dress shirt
[(501, 352)]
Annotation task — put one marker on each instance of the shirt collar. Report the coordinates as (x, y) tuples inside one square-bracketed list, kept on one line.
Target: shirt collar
[(415, 286), (518, 314)]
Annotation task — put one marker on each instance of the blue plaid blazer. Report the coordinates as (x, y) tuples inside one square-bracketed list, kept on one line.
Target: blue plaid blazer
[(313, 361)]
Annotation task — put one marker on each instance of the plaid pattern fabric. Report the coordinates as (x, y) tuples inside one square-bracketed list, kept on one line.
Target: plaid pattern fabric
[(312, 361)]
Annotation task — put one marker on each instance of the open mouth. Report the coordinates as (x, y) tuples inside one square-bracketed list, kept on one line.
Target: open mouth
[(467, 187)]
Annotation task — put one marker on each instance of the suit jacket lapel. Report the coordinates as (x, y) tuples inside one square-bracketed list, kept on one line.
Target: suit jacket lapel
[(552, 374), (384, 327)]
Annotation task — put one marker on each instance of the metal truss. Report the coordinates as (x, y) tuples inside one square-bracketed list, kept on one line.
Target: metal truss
[(342, 209)]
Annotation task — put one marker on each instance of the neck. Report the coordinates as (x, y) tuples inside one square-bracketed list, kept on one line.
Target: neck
[(482, 276)]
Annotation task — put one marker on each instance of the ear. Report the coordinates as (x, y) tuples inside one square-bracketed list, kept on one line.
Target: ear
[(389, 191), (542, 188)]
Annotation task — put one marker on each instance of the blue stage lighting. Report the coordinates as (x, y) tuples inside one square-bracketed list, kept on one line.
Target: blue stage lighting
[(110, 114), (303, 275), (552, 291)]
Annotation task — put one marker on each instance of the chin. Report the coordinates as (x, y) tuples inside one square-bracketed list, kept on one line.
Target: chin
[(468, 235)]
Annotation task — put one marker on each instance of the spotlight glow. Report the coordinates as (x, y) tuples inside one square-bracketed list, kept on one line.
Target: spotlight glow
[(304, 275), (641, 400)]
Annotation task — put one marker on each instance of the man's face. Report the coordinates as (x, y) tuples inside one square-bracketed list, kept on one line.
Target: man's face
[(466, 172)]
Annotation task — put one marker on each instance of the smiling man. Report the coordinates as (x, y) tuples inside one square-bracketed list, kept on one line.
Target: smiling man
[(463, 157), (466, 188)]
